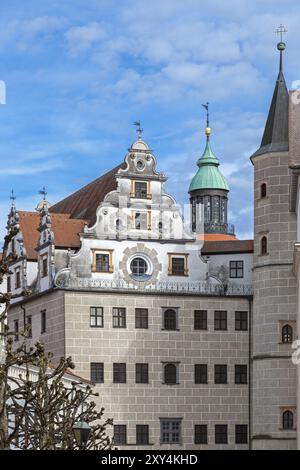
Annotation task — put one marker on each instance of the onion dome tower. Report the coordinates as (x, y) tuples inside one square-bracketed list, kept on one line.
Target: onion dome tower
[(209, 190)]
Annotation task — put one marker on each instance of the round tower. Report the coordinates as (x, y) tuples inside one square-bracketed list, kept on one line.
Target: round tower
[(209, 194), (273, 383)]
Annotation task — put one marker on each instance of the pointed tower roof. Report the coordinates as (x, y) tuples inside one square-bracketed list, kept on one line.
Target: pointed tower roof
[(275, 136), (208, 176)]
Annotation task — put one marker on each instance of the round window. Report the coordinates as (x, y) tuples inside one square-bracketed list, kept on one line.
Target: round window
[(138, 267), (140, 165)]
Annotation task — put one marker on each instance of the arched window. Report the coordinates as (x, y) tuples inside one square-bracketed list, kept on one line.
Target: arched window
[(263, 246), (287, 334), (263, 190), (288, 419), (170, 319), (170, 374)]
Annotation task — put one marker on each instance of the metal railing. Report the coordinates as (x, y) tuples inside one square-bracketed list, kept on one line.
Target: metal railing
[(193, 287), (214, 227)]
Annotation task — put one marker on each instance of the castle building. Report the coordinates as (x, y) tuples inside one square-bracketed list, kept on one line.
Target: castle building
[(185, 330)]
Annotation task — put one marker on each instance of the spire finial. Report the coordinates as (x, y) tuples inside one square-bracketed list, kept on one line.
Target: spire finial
[(281, 45), (43, 192), (139, 130), (12, 197), (207, 129)]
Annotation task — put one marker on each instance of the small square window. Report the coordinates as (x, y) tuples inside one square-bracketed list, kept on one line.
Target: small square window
[(220, 374), (120, 434), (241, 434), (141, 318), (241, 321), (200, 319), (96, 317), (201, 434), (119, 373), (97, 372), (178, 266), (236, 269), (142, 434), (119, 317), (102, 262), (220, 320), (141, 373), (140, 189), (221, 434)]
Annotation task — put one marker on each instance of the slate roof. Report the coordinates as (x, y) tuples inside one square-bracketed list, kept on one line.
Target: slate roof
[(83, 203)]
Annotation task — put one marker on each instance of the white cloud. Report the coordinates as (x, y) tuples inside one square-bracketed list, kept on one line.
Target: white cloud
[(82, 38)]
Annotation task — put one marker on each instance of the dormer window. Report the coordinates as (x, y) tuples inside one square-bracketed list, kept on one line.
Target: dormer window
[(140, 189), (178, 264)]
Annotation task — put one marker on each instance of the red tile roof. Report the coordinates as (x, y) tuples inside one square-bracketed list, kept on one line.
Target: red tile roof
[(66, 231), (84, 202), (227, 246)]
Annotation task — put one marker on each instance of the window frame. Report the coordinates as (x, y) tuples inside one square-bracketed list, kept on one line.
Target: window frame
[(200, 377), (200, 437), (264, 246), (119, 373), (289, 423), (164, 320), (241, 437), (44, 265), (167, 365), (241, 374), (142, 437), (200, 321), (141, 322), (96, 317), (16, 330), (18, 277), (185, 257), (146, 222), (220, 375), (119, 318), (218, 433), (142, 375), (170, 432), (289, 335), (43, 322), (239, 323), (263, 190), (107, 252), (134, 194), (121, 433), (99, 372), (236, 271), (221, 323)]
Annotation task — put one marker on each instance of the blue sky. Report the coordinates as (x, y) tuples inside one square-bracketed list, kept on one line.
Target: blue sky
[(79, 73)]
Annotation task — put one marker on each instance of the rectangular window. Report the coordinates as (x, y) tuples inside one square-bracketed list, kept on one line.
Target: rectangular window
[(141, 318), (141, 373), (241, 321), (96, 317), (17, 278), (170, 431), (44, 266), (220, 374), (141, 189), (120, 434), (221, 434), (119, 373), (241, 434), (8, 284), (142, 434), (200, 373), (102, 263), (97, 372), (43, 321), (200, 319), (178, 266), (200, 433), (240, 374), (236, 269), (16, 328), (220, 320), (141, 220), (119, 317), (29, 326)]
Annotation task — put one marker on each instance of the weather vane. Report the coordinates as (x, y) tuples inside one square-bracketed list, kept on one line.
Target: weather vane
[(43, 192), (207, 113), (139, 130), (281, 30), (12, 196)]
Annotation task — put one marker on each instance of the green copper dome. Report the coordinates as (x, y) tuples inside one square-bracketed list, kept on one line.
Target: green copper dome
[(208, 176)]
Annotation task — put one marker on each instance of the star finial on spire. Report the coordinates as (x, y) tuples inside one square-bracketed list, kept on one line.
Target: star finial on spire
[(12, 197), (43, 192), (207, 129), (139, 130)]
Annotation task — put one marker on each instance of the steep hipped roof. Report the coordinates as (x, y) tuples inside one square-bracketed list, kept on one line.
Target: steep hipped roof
[(66, 231), (275, 137), (228, 246), (84, 202)]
